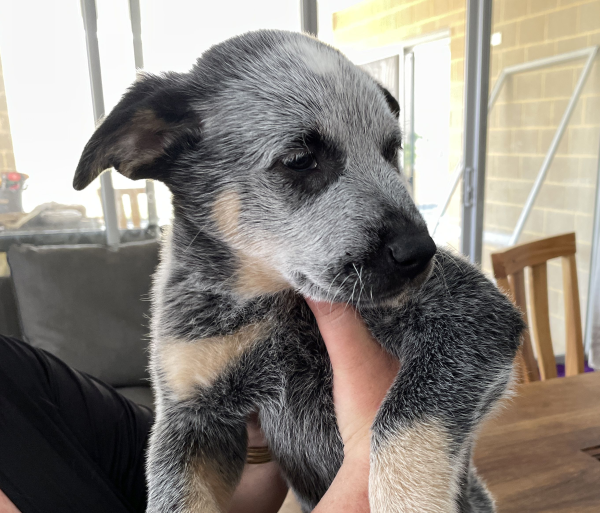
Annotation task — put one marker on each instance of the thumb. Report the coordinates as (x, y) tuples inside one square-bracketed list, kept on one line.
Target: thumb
[(356, 357)]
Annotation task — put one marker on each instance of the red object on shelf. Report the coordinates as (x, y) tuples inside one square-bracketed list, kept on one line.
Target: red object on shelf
[(14, 177)]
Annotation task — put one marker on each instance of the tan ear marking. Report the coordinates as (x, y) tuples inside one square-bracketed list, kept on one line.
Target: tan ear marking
[(186, 365)]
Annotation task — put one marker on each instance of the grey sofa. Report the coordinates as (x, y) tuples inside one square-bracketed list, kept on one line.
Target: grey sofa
[(88, 305)]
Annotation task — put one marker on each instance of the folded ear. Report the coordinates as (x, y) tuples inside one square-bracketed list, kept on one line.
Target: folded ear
[(391, 101), (147, 129)]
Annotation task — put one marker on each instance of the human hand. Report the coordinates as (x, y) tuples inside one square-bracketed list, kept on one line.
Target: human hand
[(262, 488), (362, 375)]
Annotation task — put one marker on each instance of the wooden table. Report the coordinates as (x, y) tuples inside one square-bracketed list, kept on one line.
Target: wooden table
[(532, 454)]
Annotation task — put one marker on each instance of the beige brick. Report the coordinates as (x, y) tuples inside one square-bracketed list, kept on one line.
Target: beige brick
[(557, 328), (562, 23), (495, 66), (456, 5), (509, 34), (514, 9), (559, 108), (571, 44), (456, 93), (555, 274), (504, 166), (517, 192), (497, 191), (512, 57), (362, 11), (4, 124), (537, 6), (535, 222), (423, 11), (499, 141), (5, 141), (555, 302), (583, 226), (558, 84), (529, 166), (536, 114), (552, 196), (509, 115), (457, 71), (584, 252), (588, 171), (9, 161), (540, 51), (592, 110), (594, 38), (528, 86), (589, 17), (564, 170), (593, 81), (545, 138), (583, 277), (531, 30), (503, 216), (580, 199), (457, 46), (524, 141), (584, 141), (559, 222)]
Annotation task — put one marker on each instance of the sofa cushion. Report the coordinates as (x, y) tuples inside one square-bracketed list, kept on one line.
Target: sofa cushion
[(139, 395), (88, 305), (9, 317)]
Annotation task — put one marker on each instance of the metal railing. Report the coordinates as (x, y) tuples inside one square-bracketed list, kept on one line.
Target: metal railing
[(590, 53)]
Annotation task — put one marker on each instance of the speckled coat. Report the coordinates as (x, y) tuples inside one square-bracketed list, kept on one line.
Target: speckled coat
[(282, 158)]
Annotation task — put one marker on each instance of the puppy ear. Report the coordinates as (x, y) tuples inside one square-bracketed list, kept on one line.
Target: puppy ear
[(391, 101), (146, 130)]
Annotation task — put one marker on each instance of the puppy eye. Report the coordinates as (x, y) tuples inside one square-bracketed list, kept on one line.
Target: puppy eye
[(301, 163)]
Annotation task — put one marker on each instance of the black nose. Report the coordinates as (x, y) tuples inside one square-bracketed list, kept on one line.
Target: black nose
[(409, 254)]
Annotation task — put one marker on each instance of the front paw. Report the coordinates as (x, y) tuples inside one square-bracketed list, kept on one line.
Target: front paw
[(412, 470)]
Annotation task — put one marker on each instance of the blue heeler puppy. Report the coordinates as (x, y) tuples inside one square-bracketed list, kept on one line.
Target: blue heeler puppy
[(282, 158)]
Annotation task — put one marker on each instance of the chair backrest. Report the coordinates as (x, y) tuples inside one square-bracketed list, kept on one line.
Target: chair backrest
[(509, 266)]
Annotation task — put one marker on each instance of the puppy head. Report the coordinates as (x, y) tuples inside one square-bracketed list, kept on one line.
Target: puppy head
[(283, 156)]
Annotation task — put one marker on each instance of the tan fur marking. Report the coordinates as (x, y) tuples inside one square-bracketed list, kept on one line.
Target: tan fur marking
[(186, 365), (208, 492), (413, 472), (255, 276), (226, 213)]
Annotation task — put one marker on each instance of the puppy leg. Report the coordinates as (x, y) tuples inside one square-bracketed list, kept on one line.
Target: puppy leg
[(423, 435), (195, 460)]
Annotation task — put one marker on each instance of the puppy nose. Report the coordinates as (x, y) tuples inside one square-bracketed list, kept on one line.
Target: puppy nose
[(410, 253)]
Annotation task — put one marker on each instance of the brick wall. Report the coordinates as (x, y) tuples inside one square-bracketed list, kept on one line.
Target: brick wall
[(524, 119), (523, 123), (7, 157)]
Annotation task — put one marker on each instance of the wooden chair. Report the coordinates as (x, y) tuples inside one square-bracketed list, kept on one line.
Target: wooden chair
[(509, 266), (136, 216)]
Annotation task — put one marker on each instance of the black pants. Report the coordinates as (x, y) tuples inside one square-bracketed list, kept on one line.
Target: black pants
[(68, 442)]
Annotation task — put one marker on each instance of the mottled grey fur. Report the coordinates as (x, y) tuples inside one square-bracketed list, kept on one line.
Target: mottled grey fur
[(229, 126)]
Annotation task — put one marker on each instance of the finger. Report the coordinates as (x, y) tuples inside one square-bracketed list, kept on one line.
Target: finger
[(355, 355)]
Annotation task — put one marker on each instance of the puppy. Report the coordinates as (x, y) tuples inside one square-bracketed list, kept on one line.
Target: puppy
[(282, 159)]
